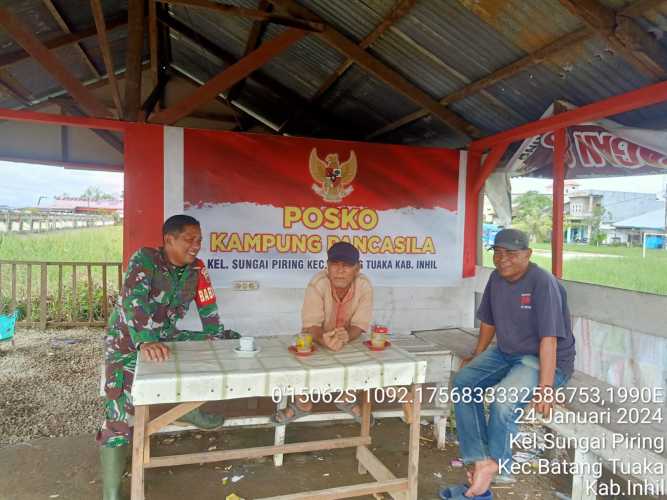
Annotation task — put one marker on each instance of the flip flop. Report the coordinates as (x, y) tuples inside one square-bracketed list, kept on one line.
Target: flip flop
[(296, 414), (458, 493), (347, 408)]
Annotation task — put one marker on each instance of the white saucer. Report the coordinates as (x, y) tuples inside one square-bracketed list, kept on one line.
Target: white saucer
[(246, 354)]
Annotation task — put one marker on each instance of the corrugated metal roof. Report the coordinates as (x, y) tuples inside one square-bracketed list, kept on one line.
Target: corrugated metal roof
[(650, 220), (355, 18), (439, 46), (305, 65), (229, 32), (377, 102)]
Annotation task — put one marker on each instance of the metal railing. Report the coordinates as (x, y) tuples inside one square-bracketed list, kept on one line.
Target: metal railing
[(59, 293)]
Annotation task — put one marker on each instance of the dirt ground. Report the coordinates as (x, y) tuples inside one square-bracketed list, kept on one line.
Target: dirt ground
[(50, 408)]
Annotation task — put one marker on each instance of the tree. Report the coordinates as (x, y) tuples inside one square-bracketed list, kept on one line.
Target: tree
[(532, 214), (94, 193), (595, 220)]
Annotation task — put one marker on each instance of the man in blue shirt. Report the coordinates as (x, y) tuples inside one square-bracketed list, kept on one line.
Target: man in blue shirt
[(525, 309)]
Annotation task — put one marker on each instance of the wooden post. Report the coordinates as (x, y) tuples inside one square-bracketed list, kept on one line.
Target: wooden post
[(279, 434), (138, 445), (42, 297), (59, 307), (413, 456), (90, 294), (12, 307), (366, 409), (75, 298), (105, 305), (560, 148), (28, 293)]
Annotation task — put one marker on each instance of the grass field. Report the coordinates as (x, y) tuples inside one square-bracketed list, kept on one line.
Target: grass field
[(103, 244), (624, 269)]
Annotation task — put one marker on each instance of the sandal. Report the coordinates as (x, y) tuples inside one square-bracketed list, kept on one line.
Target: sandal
[(296, 413), (347, 408), (458, 493)]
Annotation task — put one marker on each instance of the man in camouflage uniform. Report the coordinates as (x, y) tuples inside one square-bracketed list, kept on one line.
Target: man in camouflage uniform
[(160, 284)]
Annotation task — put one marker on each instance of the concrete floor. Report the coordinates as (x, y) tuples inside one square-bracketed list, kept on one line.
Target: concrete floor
[(67, 468)]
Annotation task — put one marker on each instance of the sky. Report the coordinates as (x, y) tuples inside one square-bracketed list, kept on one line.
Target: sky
[(22, 184), (633, 184)]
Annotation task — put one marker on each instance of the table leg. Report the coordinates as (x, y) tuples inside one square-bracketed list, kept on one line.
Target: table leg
[(413, 456), (279, 434), (366, 408), (138, 444), (147, 437), (440, 423)]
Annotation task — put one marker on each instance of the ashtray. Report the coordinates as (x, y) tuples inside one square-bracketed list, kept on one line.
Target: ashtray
[(293, 350), (368, 344)]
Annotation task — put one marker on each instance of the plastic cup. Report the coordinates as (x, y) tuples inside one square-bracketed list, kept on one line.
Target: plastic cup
[(304, 342), (247, 343)]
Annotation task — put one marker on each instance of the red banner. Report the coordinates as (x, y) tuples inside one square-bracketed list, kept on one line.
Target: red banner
[(602, 148)]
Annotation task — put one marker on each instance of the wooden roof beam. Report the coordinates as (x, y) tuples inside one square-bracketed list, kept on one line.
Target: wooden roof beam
[(229, 77), (638, 7), (401, 8), (294, 100), (62, 41), (33, 46), (64, 26), (135, 46), (98, 14), (107, 136), (14, 88), (253, 41), (540, 55), (255, 14), (374, 66), (624, 35)]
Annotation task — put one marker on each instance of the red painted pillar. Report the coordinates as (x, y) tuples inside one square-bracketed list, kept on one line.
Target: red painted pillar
[(472, 214), (560, 147), (144, 188)]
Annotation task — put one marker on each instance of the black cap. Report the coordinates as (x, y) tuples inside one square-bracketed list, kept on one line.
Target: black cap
[(343, 252), (511, 239)]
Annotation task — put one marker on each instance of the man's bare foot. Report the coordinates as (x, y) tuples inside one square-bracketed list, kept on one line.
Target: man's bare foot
[(483, 474)]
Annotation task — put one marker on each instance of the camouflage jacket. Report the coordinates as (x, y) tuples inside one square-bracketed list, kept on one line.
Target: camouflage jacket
[(154, 298)]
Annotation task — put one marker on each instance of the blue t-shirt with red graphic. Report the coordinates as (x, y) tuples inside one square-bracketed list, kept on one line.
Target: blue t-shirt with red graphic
[(527, 310)]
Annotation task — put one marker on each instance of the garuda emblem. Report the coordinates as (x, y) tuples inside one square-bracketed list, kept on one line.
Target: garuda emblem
[(332, 178)]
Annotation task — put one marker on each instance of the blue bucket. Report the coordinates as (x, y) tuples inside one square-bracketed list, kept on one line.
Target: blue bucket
[(7, 324)]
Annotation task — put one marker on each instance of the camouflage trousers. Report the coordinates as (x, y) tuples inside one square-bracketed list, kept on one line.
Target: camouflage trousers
[(116, 429)]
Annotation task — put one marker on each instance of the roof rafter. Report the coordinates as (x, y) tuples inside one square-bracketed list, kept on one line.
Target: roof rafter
[(229, 77), (31, 44), (401, 8), (253, 41), (135, 45), (624, 35), (62, 41), (373, 65), (255, 14), (294, 100), (64, 26), (98, 14), (561, 45), (107, 136)]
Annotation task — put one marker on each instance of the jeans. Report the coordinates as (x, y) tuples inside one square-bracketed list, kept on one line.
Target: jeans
[(513, 377)]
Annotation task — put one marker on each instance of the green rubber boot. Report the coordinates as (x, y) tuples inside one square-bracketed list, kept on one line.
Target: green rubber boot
[(202, 420), (113, 462)]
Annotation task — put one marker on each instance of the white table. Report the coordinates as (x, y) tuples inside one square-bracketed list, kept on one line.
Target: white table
[(198, 372)]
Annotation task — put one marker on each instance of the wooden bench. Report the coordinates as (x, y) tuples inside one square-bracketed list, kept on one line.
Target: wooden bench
[(624, 454)]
